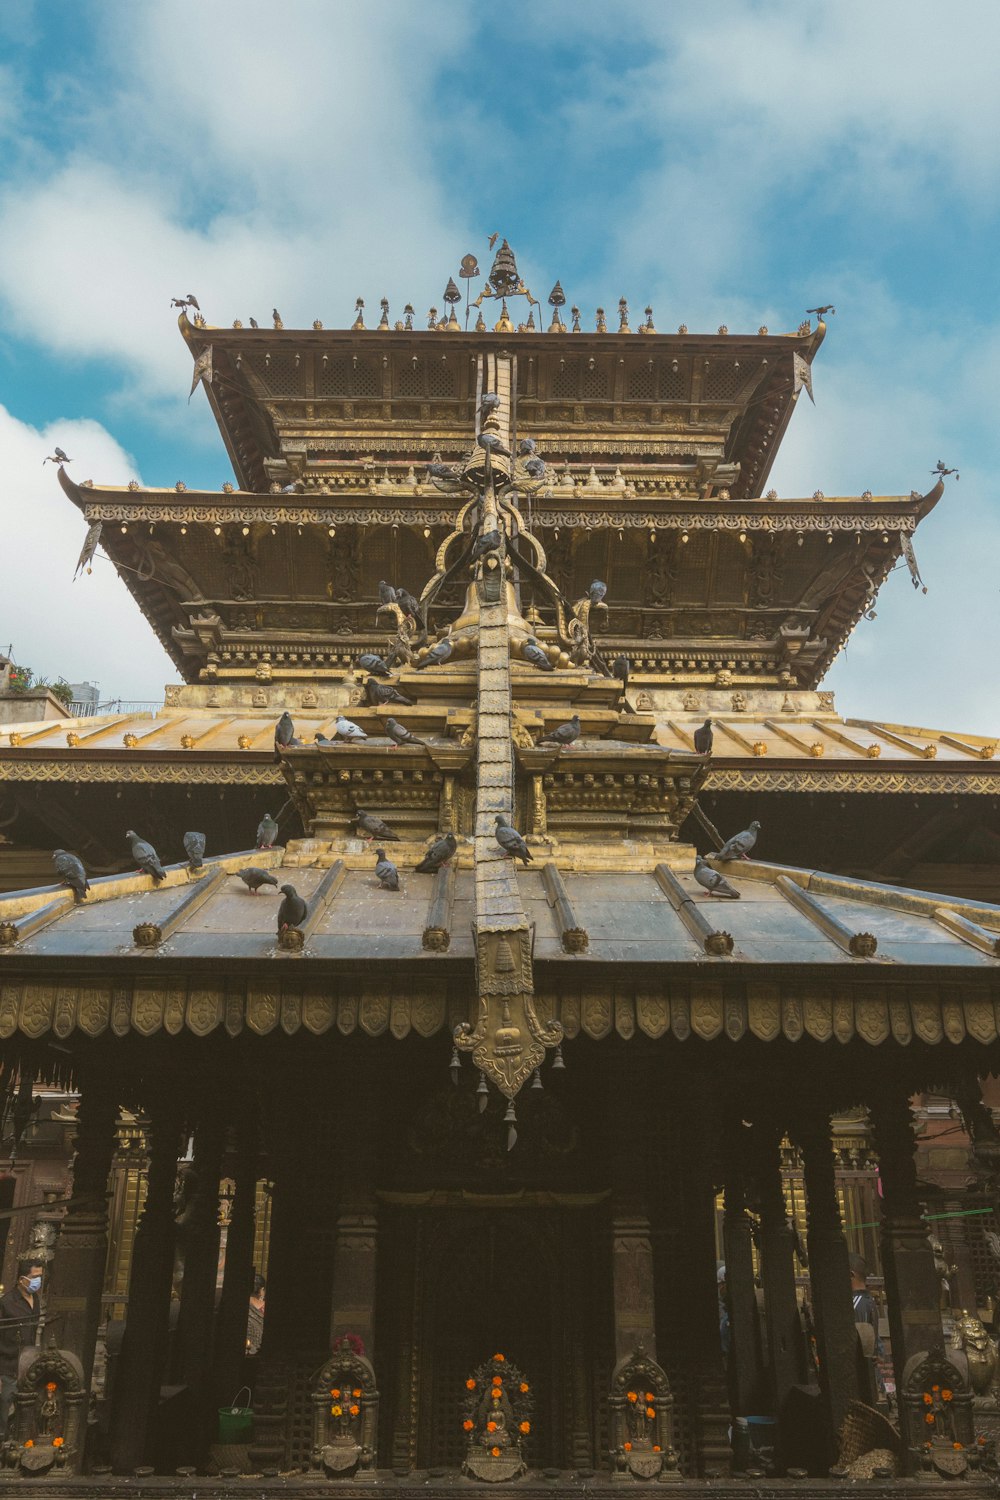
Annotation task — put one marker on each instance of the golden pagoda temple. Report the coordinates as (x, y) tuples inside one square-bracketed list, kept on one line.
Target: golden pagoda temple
[(488, 1134)]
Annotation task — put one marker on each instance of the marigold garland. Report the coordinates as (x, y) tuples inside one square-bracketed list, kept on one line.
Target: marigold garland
[(336, 1411), (354, 1410), (58, 1442), (633, 1395), (946, 1395), (499, 1359), (470, 1385), (650, 1412), (928, 1399), (495, 1452), (491, 1427), (51, 1386), (335, 1393), (956, 1445), (524, 1427), (356, 1394), (467, 1425), (929, 1417), (628, 1447)]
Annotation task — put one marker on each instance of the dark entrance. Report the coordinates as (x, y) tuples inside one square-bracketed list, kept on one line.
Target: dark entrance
[(459, 1284)]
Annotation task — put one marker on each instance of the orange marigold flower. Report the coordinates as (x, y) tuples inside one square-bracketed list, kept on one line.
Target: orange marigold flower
[(470, 1385), (935, 1387), (656, 1447), (928, 1398), (524, 1427), (356, 1393), (354, 1410), (523, 1387), (58, 1442), (467, 1425), (649, 1396), (29, 1443), (498, 1358), (495, 1452), (628, 1447), (633, 1395), (51, 1386), (496, 1395), (335, 1393), (491, 1427), (946, 1395), (929, 1417), (498, 1380), (650, 1411), (981, 1441), (956, 1445)]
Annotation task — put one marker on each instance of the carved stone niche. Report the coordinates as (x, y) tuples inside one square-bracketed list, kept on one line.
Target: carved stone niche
[(345, 1416), (49, 1408), (936, 1408), (641, 1420)]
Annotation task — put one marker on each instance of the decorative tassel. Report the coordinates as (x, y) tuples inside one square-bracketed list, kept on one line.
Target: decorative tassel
[(510, 1120), (483, 1092)]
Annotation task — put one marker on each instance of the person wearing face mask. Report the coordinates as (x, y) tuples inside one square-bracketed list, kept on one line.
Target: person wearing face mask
[(19, 1309)]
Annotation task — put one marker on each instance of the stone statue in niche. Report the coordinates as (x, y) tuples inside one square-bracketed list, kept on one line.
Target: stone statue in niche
[(345, 1413), (640, 1420), (259, 699)]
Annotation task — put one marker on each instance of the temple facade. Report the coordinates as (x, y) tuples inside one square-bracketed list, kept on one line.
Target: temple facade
[(474, 599)]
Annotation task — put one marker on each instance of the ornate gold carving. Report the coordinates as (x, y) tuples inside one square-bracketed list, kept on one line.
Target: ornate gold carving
[(155, 772), (262, 1010), (146, 935), (856, 779)]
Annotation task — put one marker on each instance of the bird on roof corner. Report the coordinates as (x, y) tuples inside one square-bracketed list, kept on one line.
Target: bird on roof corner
[(704, 738), (740, 845), (714, 883), (57, 456), (292, 911), (145, 857), (69, 868), (510, 840)]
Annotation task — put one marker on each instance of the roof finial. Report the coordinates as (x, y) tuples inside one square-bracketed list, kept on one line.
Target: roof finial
[(647, 327), (384, 320), (623, 316), (575, 314), (359, 321), (557, 299), (503, 277), (602, 326), (408, 315)]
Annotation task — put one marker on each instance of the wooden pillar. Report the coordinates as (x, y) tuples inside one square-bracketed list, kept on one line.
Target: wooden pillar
[(699, 1284), (633, 1300), (198, 1263), (144, 1344), (744, 1362), (829, 1273), (912, 1284), (229, 1348), (76, 1281), (786, 1353)]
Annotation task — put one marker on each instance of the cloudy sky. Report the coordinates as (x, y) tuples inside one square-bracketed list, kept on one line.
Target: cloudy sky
[(733, 161)]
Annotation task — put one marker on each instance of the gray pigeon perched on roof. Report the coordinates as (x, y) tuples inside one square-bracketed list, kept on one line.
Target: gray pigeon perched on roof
[(369, 662), (526, 447), (703, 738), (490, 402), (194, 848), (439, 853), (510, 840), (443, 471), (69, 868), (535, 467), (532, 651), (379, 693), (438, 654), (620, 668), (386, 872), (372, 827), (739, 846), (597, 591), (493, 444), (267, 832), (563, 734), (348, 730), (146, 857), (386, 592), (253, 877), (399, 734), (714, 883), (284, 732), (408, 604), (292, 911)]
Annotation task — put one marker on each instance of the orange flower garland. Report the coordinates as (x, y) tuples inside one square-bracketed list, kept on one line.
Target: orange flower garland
[(495, 1452), (335, 1393), (524, 1427), (356, 1394), (51, 1386), (929, 1417), (470, 1385), (354, 1410), (467, 1425), (524, 1387), (946, 1395), (633, 1395), (491, 1427), (928, 1399), (628, 1447), (650, 1412), (29, 1442), (336, 1411), (956, 1445), (58, 1442), (497, 1380), (650, 1397), (498, 1358)]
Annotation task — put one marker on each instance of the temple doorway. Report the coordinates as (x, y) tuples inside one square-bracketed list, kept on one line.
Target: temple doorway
[(460, 1284)]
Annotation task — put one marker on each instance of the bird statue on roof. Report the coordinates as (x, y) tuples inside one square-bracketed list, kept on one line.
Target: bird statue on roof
[(438, 855), (510, 840), (400, 735), (493, 444), (386, 872), (267, 832), (372, 827), (438, 653), (57, 456), (821, 312), (253, 877), (189, 301), (714, 883), (532, 651), (145, 857), (348, 730), (293, 910), (368, 661), (380, 693), (939, 468), (704, 738), (740, 845), (194, 848), (563, 734), (284, 733), (69, 868), (89, 548)]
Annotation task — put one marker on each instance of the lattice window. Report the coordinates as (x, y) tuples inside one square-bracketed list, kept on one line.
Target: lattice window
[(722, 381), (410, 379), (642, 382), (335, 378), (366, 379), (566, 381), (441, 380), (595, 384), (673, 383)]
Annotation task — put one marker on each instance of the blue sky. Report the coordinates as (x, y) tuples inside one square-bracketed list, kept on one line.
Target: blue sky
[(727, 162)]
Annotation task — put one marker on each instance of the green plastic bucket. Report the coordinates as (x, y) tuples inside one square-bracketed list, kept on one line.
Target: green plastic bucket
[(235, 1421)]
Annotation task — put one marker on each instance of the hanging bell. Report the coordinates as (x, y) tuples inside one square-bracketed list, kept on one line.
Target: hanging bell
[(482, 1092), (536, 1080), (454, 1065), (510, 1120), (557, 1060)]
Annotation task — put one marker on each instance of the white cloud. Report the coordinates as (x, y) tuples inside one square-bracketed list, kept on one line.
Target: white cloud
[(84, 631)]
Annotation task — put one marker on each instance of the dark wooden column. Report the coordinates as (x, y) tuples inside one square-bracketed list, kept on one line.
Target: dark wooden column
[(912, 1284), (198, 1262), (76, 1281), (633, 1302), (144, 1344), (698, 1273), (355, 1249), (785, 1349), (229, 1350), (829, 1271), (744, 1365)]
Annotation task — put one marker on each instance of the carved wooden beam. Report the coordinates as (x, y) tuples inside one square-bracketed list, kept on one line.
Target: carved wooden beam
[(294, 939), (710, 939), (575, 939), (151, 934), (437, 933), (24, 927), (969, 932), (871, 752), (808, 747), (857, 944)]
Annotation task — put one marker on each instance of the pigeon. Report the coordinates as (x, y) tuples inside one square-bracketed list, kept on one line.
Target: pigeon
[(703, 738), (290, 489), (437, 855), (292, 911), (526, 447), (322, 739), (490, 402), (146, 857), (194, 848), (399, 734), (488, 542), (388, 875), (57, 456), (535, 468), (369, 662), (407, 603), (532, 651), (620, 668), (276, 318), (267, 832), (69, 868), (348, 730), (253, 877), (739, 846), (563, 734), (443, 471), (510, 840), (386, 592), (597, 591), (438, 654), (284, 733), (493, 444), (382, 692), (189, 301), (372, 827), (714, 883), (254, 323)]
